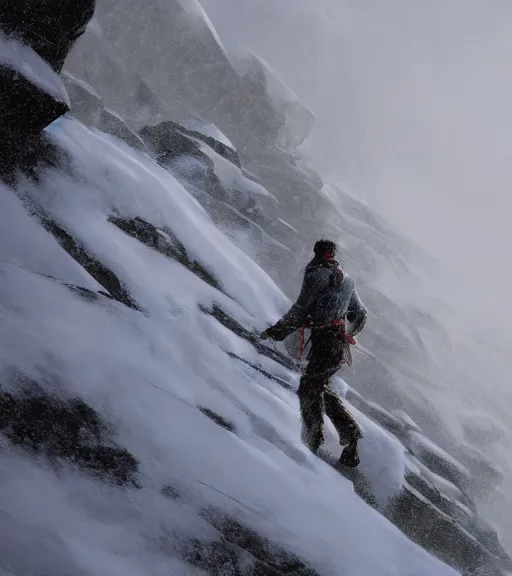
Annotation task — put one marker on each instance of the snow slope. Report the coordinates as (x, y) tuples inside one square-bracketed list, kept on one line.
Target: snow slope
[(138, 282), (147, 371)]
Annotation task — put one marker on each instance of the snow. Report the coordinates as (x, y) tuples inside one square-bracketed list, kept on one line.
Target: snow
[(31, 66), (239, 206), (424, 446), (143, 189), (200, 20), (406, 419), (87, 88), (147, 372), (444, 486), (289, 226), (195, 125), (382, 456), (232, 177)]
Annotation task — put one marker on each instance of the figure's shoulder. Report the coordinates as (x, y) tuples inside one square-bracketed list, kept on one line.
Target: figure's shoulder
[(319, 268)]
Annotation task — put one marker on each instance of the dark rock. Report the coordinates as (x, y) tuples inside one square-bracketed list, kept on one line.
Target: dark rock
[(96, 269), (113, 124), (222, 149), (27, 108), (29, 102), (435, 522), (87, 294), (86, 103), (272, 256), (361, 486), (296, 119), (168, 141), (487, 536), (31, 155), (166, 243), (170, 492), (147, 102), (241, 551), (219, 420), (375, 412), (50, 27), (42, 154), (171, 142), (484, 475), (439, 534), (439, 500), (280, 381), (67, 430), (116, 464), (214, 557), (252, 337), (298, 194), (198, 176), (442, 465), (406, 420)]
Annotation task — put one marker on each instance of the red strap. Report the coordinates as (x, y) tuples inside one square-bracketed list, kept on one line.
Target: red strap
[(302, 329), (340, 323), (348, 338)]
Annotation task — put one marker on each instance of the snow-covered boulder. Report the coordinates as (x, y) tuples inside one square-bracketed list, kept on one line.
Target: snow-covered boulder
[(166, 378), (85, 103), (298, 119), (112, 123), (33, 95)]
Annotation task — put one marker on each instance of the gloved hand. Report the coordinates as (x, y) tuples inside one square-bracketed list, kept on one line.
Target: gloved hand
[(274, 333)]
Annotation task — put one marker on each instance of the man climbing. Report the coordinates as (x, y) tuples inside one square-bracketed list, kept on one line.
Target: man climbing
[(327, 301)]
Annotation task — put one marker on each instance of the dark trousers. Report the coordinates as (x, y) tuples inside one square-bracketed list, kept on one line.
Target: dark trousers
[(329, 352)]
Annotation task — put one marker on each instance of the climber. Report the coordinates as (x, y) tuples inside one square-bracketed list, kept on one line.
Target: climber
[(328, 300)]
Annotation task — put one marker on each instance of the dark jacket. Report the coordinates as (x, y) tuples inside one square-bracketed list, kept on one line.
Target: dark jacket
[(328, 294)]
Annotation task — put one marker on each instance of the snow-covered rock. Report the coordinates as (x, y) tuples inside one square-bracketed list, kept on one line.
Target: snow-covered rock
[(298, 119), (33, 95), (438, 460), (86, 104), (163, 380), (132, 297)]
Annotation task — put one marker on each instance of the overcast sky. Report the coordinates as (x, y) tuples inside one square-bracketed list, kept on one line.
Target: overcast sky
[(413, 100)]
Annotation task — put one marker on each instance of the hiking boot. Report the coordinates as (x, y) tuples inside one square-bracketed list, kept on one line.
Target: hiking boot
[(349, 457), (312, 437)]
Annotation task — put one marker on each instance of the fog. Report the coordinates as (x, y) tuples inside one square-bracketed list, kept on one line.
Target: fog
[(412, 101), (412, 104)]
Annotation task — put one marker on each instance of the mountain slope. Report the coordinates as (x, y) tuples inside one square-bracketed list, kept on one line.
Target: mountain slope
[(145, 427), (148, 373)]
